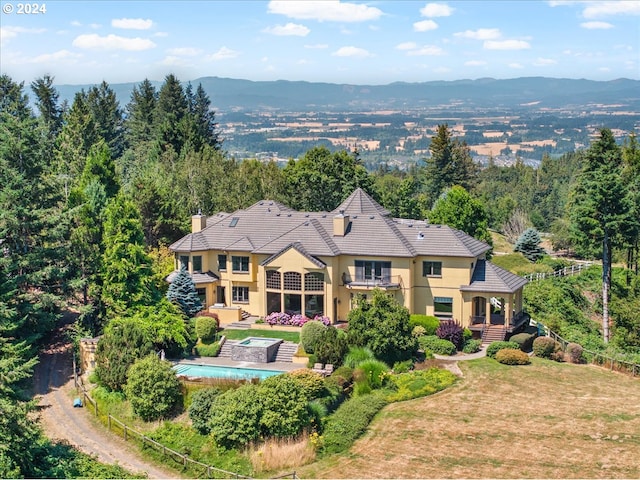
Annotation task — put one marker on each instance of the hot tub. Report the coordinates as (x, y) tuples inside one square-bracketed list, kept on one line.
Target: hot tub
[(256, 350)]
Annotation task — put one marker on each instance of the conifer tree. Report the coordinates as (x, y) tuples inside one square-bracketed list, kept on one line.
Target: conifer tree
[(182, 291), (601, 209), (529, 245)]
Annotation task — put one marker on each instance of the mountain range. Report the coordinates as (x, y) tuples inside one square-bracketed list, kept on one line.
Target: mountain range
[(516, 93)]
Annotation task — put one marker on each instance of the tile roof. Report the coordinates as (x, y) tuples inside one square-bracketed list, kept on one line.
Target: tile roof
[(488, 277), (267, 227), (204, 277)]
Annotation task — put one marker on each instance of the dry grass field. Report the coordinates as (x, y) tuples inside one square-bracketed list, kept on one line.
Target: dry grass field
[(545, 420)]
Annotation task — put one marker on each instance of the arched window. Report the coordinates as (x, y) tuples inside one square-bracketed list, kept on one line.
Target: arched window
[(314, 282), (273, 279), (292, 281)]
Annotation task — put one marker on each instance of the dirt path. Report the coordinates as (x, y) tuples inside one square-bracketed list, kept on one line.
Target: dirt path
[(53, 383)]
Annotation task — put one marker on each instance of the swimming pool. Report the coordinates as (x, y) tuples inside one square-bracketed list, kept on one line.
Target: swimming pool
[(216, 371)]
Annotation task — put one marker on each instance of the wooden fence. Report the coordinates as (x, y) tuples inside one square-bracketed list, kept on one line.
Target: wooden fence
[(600, 359), (563, 272), (128, 433)]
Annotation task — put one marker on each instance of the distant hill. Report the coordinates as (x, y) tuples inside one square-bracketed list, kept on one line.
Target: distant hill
[(517, 93)]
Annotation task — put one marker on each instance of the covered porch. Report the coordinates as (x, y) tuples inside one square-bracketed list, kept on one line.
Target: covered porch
[(493, 298)]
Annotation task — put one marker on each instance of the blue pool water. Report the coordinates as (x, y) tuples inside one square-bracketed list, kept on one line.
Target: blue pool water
[(215, 371)]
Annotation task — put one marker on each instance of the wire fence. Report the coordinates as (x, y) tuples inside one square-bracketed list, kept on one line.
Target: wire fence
[(563, 272), (129, 433), (596, 358)]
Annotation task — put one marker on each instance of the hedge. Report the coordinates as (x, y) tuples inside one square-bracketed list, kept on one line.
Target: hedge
[(495, 347)]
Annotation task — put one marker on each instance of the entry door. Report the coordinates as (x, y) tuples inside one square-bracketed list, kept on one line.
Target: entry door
[(220, 296)]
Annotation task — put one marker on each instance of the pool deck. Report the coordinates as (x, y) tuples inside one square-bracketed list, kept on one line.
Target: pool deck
[(227, 362)]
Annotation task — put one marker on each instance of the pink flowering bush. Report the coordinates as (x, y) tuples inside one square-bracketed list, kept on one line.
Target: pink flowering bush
[(296, 320)]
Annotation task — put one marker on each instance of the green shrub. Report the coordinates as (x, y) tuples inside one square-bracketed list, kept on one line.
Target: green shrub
[(472, 346), (207, 349), (544, 347), (512, 356), (342, 376), (200, 408), (495, 347), (525, 340), (207, 326), (332, 346), (418, 331), (152, 387), (466, 335), (419, 383), (350, 421), (428, 322), (372, 372), (437, 345), (310, 335), (403, 367), (311, 382), (574, 352), (356, 355)]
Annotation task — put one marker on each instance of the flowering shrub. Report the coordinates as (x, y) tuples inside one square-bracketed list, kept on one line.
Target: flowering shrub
[(296, 320)]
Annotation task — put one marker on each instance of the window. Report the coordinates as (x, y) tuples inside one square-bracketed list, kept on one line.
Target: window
[(240, 294), (443, 307), (202, 295), (293, 303), (240, 264), (222, 263), (313, 305), (431, 269), (273, 279), (314, 282), (372, 270), (274, 302), (197, 263), (184, 262), (292, 281)]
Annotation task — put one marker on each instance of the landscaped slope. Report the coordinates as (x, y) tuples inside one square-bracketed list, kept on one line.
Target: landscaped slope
[(546, 420)]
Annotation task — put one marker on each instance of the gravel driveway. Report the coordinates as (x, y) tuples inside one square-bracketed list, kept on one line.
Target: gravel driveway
[(53, 383)]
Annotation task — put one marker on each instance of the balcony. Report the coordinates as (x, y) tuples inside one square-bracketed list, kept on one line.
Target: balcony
[(385, 282)]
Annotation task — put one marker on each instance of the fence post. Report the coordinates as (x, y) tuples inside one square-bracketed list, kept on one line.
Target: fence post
[(109, 422), (125, 432), (95, 407)]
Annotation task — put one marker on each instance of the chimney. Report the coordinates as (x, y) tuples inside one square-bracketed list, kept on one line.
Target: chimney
[(198, 222), (340, 224)]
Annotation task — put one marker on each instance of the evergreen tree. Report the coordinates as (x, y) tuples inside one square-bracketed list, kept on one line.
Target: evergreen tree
[(600, 209), (107, 115), (141, 111), (171, 109), (182, 292), (47, 102), (126, 267), (529, 245)]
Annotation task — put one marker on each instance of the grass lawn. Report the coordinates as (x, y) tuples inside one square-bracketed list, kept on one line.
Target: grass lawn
[(545, 420), (233, 334)]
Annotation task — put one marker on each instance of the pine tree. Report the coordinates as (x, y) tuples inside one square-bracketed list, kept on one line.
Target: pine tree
[(529, 245), (141, 110), (107, 115), (126, 267), (182, 291), (601, 209), (171, 109)]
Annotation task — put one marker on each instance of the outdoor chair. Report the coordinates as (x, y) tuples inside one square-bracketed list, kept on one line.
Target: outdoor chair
[(328, 369)]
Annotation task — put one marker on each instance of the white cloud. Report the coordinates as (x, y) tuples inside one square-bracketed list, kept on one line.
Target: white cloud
[(425, 26), (95, 26), (223, 54), (112, 42), (7, 33), (290, 29), (426, 50), (132, 23), (506, 45), (516, 65), (61, 55), (406, 46), (75, 23), (173, 61), (604, 69), (480, 34), (596, 25), (441, 70), (161, 34), (317, 46), (603, 9), (352, 52), (184, 51), (436, 10), (475, 63), (324, 10), (544, 62)]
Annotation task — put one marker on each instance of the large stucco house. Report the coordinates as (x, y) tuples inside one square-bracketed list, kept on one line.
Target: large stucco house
[(270, 258)]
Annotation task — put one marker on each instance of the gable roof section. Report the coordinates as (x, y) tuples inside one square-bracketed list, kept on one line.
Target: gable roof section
[(243, 244), (192, 242), (488, 277), (297, 246), (360, 203), (197, 277)]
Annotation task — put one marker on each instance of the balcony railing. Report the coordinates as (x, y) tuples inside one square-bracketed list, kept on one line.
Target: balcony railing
[(384, 281)]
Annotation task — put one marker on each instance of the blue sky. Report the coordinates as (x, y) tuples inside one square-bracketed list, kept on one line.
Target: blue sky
[(373, 42)]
